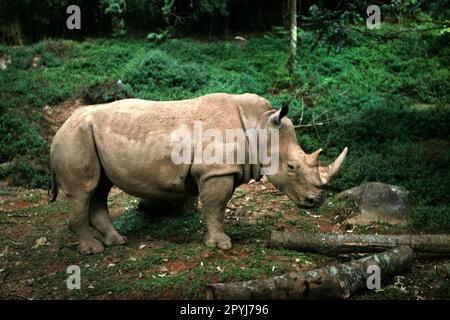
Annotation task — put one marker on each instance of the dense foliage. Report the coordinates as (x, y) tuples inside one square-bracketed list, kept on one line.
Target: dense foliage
[(382, 93)]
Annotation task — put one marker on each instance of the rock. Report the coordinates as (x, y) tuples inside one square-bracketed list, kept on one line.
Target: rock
[(379, 202)]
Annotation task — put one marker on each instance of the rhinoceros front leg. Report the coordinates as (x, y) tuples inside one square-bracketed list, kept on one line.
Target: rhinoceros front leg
[(215, 193)]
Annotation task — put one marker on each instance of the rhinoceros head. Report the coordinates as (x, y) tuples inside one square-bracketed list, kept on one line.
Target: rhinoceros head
[(300, 176)]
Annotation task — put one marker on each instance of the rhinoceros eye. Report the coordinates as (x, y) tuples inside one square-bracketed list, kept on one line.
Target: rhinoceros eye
[(290, 166)]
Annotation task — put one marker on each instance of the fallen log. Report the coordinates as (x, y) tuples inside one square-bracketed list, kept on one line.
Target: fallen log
[(353, 243), (333, 282)]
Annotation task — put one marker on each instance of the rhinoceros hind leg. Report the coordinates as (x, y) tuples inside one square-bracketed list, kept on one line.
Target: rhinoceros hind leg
[(79, 224), (99, 215), (215, 193)]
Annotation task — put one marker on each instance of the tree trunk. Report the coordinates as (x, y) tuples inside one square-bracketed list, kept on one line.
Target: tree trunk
[(334, 282), (293, 53), (336, 244), (285, 14), (12, 32)]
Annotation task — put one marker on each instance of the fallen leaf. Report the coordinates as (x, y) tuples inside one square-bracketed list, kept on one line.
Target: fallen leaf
[(164, 269), (39, 243)]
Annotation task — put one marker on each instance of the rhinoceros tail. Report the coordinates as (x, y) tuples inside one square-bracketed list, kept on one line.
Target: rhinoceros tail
[(53, 191)]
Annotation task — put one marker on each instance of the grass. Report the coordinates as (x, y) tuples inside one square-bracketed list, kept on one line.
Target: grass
[(174, 263), (182, 227), (187, 227), (387, 100)]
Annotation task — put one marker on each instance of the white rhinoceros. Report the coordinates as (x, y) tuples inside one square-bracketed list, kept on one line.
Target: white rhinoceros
[(129, 143)]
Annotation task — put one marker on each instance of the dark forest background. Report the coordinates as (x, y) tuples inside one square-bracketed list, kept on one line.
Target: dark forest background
[(29, 20)]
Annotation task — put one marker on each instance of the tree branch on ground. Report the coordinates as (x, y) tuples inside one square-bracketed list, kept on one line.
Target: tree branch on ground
[(332, 282)]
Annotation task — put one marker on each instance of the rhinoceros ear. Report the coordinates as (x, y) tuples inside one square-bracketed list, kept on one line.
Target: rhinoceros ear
[(275, 119)]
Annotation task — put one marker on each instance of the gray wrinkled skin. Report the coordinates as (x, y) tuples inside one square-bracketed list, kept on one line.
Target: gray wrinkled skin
[(127, 143)]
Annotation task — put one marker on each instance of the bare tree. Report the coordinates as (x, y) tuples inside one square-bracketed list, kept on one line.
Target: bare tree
[(293, 53)]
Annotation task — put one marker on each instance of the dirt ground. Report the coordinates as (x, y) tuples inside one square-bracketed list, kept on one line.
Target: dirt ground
[(167, 260)]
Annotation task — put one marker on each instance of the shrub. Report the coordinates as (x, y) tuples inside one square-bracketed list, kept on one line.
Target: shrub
[(19, 137), (157, 74), (26, 172), (104, 92)]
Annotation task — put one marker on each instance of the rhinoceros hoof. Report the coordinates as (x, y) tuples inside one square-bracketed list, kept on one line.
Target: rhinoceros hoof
[(219, 240), (90, 246), (115, 240)]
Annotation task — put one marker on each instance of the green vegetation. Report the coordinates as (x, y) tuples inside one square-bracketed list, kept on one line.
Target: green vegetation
[(183, 227), (386, 97), (383, 93), (187, 226)]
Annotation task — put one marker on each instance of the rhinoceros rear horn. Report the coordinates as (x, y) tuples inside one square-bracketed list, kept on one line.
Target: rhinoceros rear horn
[(313, 158), (275, 119), (328, 173)]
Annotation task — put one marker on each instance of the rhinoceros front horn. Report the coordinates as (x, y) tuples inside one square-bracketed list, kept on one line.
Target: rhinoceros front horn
[(328, 173)]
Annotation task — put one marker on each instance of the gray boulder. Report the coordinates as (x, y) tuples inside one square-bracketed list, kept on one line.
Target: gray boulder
[(379, 202)]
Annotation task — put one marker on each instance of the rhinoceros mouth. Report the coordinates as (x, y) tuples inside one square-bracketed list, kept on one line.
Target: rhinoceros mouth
[(307, 204)]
